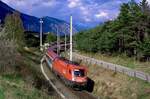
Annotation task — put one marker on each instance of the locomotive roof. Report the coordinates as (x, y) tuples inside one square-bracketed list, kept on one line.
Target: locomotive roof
[(69, 62)]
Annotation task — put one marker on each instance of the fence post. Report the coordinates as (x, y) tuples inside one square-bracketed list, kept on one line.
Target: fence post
[(147, 78), (123, 71), (107, 66), (134, 73), (89, 62), (95, 63), (115, 68), (102, 63)]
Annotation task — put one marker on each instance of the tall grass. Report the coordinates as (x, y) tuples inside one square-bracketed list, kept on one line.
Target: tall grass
[(8, 54)]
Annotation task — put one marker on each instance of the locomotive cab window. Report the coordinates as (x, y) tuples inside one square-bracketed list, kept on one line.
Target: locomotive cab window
[(79, 73)]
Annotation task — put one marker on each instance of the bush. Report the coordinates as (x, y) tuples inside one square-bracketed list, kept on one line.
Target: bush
[(8, 55), (50, 38)]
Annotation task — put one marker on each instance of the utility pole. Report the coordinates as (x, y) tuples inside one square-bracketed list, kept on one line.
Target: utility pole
[(41, 22), (58, 40), (71, 38)]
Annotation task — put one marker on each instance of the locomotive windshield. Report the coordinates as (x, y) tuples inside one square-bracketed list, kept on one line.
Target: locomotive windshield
[(79, 73)]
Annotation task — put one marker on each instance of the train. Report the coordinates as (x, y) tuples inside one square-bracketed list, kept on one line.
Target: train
[(72, 73)]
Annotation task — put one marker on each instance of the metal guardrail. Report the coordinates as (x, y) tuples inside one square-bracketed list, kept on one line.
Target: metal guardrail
[(114, 67)]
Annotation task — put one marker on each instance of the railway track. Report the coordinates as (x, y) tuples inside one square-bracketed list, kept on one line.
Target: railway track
[(61, 89)]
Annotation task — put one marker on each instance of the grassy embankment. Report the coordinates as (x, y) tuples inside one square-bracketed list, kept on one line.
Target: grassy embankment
[(26, 82), (14, 87), (111, 85)]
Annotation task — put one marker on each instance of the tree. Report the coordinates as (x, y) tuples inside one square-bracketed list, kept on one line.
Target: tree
[(145, 7), (129, 33), (9, 27), (14, 28), (144, 49), (31, 40), (50, 38)]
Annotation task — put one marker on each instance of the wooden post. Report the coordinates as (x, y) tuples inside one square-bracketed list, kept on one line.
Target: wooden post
[(134, 73), (115, 69), (123, 71), (90, 62), (95, 63), (147, 78), (107, 66)]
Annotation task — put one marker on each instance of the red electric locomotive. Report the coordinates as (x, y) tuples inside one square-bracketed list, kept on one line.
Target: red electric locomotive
[(72, 73)]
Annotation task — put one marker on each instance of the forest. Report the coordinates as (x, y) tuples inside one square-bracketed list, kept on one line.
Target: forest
[(128, 34)]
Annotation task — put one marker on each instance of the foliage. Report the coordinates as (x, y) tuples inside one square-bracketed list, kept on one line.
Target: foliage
[(15, 86), (11, 35), (8, 55), (129, 33), (50, 38), (14, 28), (31, 40), (144, 48)]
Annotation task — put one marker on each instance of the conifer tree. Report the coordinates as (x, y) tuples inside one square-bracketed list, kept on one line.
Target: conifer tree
[(145, 6)]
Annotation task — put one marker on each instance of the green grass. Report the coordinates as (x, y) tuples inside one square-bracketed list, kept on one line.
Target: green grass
[(2, 96), (143, 88), (121, 60), (13, 77), (27, 94), (111, 85), (14, 87)]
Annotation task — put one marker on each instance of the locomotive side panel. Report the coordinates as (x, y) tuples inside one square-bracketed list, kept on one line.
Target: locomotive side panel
[(52, 54), (72, 73), (60, 67)]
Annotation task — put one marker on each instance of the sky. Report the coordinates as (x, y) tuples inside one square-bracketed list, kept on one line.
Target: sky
[(84, 12)]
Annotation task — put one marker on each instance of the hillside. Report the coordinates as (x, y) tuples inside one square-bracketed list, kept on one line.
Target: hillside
[(20, 73), (14, 87), (25, 81), (32, 24), (112, 85)]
